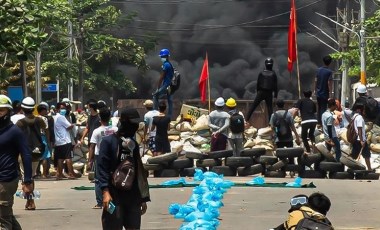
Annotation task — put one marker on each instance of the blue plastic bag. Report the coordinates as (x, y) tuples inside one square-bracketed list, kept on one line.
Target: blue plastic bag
[(174, 182), (174, 208), (198, 175), (256, 181), (297, 183)]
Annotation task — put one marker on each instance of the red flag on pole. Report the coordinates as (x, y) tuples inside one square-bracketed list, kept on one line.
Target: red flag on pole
[(203, 80), (292, 54)]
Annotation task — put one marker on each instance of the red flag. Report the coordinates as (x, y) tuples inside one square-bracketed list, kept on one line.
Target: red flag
[(292, 54), (203, 80)]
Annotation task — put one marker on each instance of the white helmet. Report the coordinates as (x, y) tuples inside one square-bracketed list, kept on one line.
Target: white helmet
[(45, 104), (5, 102), (361, 89), (28, 103), (219, 102)]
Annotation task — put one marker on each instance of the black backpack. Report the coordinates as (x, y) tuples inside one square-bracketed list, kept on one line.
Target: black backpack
[(176, 80), (313, 223), (34, 138), (371, 108), (237, 123), (283, 130)]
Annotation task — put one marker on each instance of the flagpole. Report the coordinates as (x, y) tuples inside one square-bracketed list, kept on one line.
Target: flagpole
[(208, 87), (298, 66)]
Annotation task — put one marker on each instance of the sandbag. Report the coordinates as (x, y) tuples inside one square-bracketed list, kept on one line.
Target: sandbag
[(374, 139), (375, 148), (198, 140), (188, 147), (174, 137), (183, 126), (266, 137), (264, 142), (368, 126), (176, 146), (251, 132), (141, 126), (346, 149), (376, 129), (325, 152), (249, 143), (265, 131), (343, 136), (201, 123), (186, 135)]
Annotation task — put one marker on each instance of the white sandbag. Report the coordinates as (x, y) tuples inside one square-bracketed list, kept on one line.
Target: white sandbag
[(176, 146), (374, 139), (264, 142), (266, 137), (198, 140), (139, 137), (78, 165), (188, 147), (141, 126), (343, 136), (368, 126), (346, 149), (145, 158), (185, 135), (183, 126), (265, 131), (201, 123), (251, 132), (375, 148), (268, 148), (174, 137)]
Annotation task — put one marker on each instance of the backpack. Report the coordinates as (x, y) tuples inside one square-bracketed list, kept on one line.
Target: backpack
[(124, 175), (283, 130), (371, 108), (33, 134), (176, 80), (352, 136), (314, 222), (237, 123)]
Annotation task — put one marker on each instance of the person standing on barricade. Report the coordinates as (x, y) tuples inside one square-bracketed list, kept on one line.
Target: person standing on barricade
[(219, 121)]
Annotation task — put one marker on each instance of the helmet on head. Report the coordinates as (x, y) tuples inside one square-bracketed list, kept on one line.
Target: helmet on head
[(28, 103), (269, 63), (164, 52), (45, 104), (5, 102), (231, 102), (219, 102), (361, 89)]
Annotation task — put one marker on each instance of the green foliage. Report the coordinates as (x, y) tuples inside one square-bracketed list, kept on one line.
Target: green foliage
[(352, 56)]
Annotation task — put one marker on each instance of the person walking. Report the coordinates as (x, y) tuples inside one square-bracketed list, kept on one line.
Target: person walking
[(236, 128), (13, 143), (167, 72), (219, 121), (307, 109), (96, 138), (329, 132), (17, 112), (266, 87), (360, 146), (42, 110), (148, 120), (129, 205), (323, 86), (161, 124)]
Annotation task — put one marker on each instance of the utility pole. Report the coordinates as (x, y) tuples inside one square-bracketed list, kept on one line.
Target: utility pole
[(38, 77), (81, 72), (70, 56), (363, 78), (343, 18)]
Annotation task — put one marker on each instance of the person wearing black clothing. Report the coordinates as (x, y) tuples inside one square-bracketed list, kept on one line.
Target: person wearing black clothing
[(323, 86), (307, 110), (13, 143), (266, 86), (162, 124), (131, 204)]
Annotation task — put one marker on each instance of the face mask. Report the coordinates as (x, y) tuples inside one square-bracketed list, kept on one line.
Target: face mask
[(163, 60), (62, 112)]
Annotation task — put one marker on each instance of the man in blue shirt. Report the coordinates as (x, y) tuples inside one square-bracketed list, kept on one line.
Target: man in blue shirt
[(323, 86), (164, 82)]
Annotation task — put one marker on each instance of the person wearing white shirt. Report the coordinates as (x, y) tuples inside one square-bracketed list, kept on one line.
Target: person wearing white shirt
[(148, 120), (18, 114), (63, 145), (360, 146), (96, 138)]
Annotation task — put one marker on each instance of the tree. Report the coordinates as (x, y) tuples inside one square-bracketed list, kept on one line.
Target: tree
[(352, 56)]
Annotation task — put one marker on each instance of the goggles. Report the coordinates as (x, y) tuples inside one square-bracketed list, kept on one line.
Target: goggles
[(298, 201)]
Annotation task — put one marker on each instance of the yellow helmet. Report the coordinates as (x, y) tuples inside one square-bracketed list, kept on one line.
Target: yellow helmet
[(231, 102)]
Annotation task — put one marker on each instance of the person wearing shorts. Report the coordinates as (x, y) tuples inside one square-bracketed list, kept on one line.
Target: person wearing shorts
[(63, 144)]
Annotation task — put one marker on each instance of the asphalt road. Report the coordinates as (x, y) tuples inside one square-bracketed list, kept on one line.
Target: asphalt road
[(355, 205)]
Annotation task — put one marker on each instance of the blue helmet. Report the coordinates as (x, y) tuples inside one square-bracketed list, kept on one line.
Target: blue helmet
[(164, 52)]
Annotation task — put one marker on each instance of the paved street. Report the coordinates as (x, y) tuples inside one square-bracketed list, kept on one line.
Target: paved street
[(355, 205)]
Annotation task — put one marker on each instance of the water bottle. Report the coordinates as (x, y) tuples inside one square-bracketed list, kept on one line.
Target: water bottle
[(34, 195)]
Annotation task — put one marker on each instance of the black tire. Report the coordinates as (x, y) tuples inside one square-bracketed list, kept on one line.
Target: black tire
[(224, 170), (153, 166), (187, 172), (163, 159), (239, 161), (166, 173), (270, 160), (182, 163), (220, 154), (289, 152), (278, 165), (312, 174), (331, 166), (341, 175), (367, 176), (310, 159), (293, 168), (252, 170), (351, 163), (208, 163), (195, 155), (275, 174), (255, 152)]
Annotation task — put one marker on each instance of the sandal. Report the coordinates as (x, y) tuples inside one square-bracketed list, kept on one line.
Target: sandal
[(97, 207)]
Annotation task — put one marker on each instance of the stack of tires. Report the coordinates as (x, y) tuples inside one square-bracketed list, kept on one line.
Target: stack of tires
[(169, 165)]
